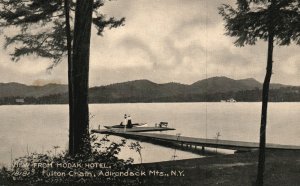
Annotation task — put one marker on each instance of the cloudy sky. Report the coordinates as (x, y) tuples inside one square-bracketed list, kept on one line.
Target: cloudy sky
[(163, 41)]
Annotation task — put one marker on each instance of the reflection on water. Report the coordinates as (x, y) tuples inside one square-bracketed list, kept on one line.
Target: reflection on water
[(37, 128)]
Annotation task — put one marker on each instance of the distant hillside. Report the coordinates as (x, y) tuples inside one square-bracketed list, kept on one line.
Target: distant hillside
[(21, 90), (141, 90), (223, 84), (211, 89)]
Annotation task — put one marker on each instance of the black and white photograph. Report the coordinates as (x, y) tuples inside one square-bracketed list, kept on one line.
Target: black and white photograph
[(154, 93)]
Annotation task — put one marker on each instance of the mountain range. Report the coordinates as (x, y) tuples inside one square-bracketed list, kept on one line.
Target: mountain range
[(142, 90)]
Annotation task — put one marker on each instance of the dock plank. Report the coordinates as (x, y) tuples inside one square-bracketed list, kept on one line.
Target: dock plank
[(213, 143)]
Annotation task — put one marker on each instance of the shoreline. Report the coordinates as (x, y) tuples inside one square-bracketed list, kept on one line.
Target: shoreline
[(112, 103)]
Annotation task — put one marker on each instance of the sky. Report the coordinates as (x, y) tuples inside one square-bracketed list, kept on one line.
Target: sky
[(162, 41)]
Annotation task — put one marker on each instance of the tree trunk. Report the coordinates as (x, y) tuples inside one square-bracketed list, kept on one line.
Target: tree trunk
[(265, 96), (70, 71), (81, 53)]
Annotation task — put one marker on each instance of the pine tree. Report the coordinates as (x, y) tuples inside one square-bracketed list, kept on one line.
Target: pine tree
[(274, 21), (44, 28)]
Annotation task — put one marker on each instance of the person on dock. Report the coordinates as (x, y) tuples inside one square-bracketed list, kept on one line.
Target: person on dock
[(124, 123), (129, 122)]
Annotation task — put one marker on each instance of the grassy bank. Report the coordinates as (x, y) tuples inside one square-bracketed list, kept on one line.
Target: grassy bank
[(282, 169)]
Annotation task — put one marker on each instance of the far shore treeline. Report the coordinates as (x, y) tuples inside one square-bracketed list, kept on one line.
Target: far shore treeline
[(144, 91)]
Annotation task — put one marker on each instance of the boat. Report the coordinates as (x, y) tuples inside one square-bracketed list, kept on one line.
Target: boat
[(123, 126), (231, 100)]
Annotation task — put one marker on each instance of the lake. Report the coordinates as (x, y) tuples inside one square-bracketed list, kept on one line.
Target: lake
[(37, 128)]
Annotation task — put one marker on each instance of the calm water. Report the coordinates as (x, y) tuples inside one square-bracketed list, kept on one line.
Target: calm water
[(37, 128)]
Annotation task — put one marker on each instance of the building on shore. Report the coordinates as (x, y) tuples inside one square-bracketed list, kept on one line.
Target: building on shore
[(231, 100), (20, 100)]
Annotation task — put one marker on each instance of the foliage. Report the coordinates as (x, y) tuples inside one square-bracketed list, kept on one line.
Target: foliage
[(138, 148), (41, 26), (104, 153), (251, 20)]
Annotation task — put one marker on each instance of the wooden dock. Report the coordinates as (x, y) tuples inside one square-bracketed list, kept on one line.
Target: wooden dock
[(191, 142)]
